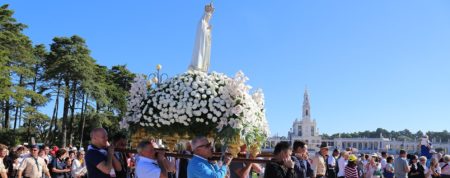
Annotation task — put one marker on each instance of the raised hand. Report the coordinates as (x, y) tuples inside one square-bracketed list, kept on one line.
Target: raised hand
[(288, 163)]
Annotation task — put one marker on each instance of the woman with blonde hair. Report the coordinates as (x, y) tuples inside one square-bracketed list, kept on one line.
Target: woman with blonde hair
[(445, 169), (435, 169), (79, 166), (373, 168)]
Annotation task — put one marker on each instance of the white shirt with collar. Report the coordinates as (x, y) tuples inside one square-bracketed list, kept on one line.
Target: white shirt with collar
[(147, 168), (331, 160)]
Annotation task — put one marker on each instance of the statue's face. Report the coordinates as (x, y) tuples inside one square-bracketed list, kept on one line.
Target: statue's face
[(208, 16), (209, 8)]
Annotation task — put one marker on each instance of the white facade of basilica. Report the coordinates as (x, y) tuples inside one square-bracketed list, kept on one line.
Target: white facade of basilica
[(306, 128)]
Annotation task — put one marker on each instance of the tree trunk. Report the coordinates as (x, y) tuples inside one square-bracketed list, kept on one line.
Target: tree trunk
[(16, 114), (7, 108), (51, 134), (2, 107), (33, 102), (20, 116), (97, 106), (29, 130), (65, 113), (72, 110), (83, 110)]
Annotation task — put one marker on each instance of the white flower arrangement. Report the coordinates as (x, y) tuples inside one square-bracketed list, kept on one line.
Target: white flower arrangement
[(197, 103), (138, 92)]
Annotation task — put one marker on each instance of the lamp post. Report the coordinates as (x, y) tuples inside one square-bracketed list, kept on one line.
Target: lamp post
[(157, 77)]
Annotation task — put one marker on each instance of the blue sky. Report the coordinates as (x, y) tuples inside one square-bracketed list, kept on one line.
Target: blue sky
[(366, 64)]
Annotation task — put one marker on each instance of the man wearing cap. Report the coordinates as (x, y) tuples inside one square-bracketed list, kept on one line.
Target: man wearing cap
[(318, 164), (200, 167), (74, 150), (33, 166)]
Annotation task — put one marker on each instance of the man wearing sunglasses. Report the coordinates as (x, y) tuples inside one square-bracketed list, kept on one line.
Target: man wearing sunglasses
[(33, 166), (200, 167)]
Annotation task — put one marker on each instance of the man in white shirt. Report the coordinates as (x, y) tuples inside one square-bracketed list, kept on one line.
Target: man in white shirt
[(342, 163), (331, 161), (383, 160), (150, 162)]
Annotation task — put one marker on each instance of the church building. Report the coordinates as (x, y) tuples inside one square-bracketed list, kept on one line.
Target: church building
[(306, 128)]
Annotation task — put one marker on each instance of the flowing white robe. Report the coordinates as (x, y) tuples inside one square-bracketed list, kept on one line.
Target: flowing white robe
[(202, 49)]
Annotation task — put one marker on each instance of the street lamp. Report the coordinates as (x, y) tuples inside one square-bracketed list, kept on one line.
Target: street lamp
[(157, 77)]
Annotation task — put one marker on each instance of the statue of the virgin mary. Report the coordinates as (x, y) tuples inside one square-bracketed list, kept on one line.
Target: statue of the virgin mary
[(202, 49)]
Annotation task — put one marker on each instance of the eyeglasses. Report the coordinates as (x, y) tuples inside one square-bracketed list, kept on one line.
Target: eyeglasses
[(208, 145)]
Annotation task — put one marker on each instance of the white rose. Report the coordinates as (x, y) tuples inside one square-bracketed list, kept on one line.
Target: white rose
[(197, 113), (218, 113), (182, 118), (203, 103), (194, 85)]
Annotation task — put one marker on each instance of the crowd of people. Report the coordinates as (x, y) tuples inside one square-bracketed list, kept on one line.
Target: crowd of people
[(295, 163), (41, 161), (103, 160)]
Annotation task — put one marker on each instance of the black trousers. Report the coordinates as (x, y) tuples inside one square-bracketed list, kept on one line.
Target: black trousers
[(331, 173)]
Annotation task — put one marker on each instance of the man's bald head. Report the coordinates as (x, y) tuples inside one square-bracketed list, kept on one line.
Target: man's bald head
[(97, 131), (99, 137)]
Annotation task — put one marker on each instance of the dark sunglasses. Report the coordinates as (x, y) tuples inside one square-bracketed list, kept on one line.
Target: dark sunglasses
[(208, 145)]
